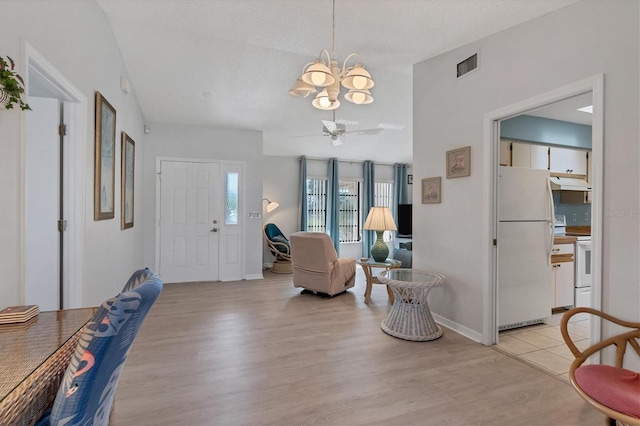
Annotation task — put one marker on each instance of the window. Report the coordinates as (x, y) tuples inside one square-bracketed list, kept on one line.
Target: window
[(383, 196), (231, 199), (349, 208), (349, 215), (316, 205)]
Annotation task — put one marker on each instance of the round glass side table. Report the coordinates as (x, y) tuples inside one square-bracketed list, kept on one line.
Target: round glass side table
[(367, 264)]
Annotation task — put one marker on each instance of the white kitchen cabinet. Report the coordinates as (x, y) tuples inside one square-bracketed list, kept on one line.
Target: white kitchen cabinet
[(563, 275), (568, 160), (563, 284), (532, 156)]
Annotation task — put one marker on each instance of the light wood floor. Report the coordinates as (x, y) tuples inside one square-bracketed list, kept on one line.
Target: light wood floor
[(260, 353)]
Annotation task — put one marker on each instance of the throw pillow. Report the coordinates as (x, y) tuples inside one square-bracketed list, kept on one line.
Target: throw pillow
[(281, 239)]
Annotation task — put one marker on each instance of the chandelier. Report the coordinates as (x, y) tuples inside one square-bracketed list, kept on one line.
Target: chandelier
[(324, 77)]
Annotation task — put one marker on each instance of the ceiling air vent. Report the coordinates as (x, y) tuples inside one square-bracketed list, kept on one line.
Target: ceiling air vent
[(469, 64)]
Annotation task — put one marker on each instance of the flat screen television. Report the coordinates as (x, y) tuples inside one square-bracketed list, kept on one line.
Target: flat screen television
[(404, 220)]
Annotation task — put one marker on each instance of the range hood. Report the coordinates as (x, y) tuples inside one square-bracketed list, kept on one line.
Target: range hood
[(569, 184)]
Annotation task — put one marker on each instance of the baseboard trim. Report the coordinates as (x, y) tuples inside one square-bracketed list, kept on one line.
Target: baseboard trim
[(254, 277), (460, 329)]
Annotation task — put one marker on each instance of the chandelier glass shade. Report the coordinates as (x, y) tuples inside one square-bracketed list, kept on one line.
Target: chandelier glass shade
[(324, 77)]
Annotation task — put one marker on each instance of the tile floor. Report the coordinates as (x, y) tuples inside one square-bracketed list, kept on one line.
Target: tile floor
[(542, 344)]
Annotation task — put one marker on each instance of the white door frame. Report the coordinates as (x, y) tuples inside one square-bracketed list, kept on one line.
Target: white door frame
[(242, 202), (595, 85), (74, 161)]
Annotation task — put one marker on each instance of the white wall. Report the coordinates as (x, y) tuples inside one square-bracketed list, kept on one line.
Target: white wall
[(576, 42), (281, 184), (180, 141), (76, 38)]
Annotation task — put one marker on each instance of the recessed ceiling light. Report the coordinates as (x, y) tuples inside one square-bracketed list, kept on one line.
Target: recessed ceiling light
[(588, 108)]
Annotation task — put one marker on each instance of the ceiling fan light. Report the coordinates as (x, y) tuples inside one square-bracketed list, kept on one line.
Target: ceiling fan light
[(302, 89), (358, 78), (318, 75), (359, 97)]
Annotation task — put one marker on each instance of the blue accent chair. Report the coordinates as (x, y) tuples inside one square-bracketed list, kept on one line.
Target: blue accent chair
[(137, 278), (88, 387), (280, 248)]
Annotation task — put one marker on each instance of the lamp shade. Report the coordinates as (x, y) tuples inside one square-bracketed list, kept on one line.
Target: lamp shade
[(271, 205), (380, 219), (323, 102), (360, 97), (302, 89), (358, 78), (318, 75)]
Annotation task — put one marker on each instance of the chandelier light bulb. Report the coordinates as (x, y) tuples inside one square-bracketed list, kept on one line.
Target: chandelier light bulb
[(359, 82), (358, 98), (324, 102), (318, 78)]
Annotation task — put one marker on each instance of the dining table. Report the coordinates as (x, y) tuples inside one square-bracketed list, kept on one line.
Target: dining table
[(34, 356)]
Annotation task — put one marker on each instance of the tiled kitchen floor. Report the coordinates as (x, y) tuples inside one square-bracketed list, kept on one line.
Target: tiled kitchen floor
[(542, 344)]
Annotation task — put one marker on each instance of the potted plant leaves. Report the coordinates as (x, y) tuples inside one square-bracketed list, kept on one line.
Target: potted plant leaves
[(11, 86)]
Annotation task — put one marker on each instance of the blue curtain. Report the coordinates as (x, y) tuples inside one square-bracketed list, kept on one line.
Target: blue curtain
[(400, 195), (333, 204), (368, 194), (303, 194)]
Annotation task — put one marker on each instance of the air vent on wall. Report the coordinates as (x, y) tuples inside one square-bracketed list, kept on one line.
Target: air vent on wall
[(469, 64)]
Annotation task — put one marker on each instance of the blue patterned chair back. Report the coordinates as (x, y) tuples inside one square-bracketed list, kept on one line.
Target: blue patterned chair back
[(137, 278), (88, 387)]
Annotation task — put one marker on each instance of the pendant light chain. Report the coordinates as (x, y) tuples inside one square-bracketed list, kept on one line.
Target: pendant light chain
[(333, 35)]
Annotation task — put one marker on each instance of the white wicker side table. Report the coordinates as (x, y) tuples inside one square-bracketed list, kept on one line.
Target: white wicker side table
[(410, 317)]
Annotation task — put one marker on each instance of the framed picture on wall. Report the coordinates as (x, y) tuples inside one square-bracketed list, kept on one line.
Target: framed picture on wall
[(431, 190), (127, 172), (459, 162), (104, 167)]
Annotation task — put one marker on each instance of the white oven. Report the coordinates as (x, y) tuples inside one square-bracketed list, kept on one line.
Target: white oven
[(583, 272)]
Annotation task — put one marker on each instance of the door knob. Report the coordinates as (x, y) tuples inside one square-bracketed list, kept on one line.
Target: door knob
[(214, 230)]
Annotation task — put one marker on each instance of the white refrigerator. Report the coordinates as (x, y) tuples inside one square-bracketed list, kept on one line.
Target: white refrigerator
[(525, 240)]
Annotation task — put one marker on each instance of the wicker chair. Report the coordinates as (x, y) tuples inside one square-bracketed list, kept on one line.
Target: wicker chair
[(614, 391), (88, 387), (279, 247)]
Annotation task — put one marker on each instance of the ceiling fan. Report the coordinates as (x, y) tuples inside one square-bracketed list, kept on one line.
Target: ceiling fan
[(337, 131)]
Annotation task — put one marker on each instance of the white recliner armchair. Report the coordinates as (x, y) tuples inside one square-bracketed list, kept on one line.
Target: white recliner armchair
[(316, 266)]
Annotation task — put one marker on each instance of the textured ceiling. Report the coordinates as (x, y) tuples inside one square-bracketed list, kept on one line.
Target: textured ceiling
[(225, 63)]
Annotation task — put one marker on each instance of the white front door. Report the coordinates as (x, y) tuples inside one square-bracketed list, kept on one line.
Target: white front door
[(189, 221)]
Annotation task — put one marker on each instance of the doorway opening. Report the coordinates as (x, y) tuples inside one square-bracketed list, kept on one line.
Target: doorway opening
[(491, 336), (58, 276)]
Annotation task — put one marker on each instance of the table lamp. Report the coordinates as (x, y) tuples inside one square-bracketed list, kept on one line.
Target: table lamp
[(380, 220)]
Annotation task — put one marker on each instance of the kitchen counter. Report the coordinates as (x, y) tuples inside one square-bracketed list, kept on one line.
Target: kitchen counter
[(564, 239), (579, 231)]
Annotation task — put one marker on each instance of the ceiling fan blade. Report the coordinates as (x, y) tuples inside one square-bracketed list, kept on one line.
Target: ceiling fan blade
[(331, 126), (365, 132)]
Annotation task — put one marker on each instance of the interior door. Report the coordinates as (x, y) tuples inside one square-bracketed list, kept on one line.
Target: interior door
[(43, 172), (189, 221)]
